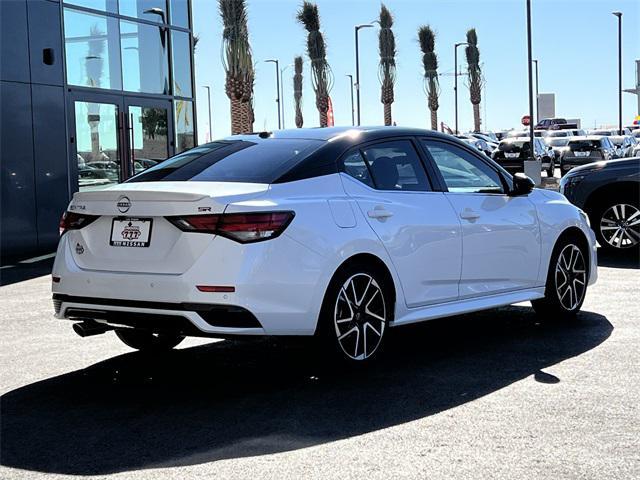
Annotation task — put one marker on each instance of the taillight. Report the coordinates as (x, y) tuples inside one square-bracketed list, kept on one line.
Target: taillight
[(75, 221), (241, 227)]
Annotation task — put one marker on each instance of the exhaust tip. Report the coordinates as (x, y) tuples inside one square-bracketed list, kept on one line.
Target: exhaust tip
[(90, 328)]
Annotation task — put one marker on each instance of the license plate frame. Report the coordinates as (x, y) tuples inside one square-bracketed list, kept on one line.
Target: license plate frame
[(511, 155), (140, 241), (582, 154)]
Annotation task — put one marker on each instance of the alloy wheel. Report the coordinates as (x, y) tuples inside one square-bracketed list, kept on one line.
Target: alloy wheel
[(360, 316), (571, 277), (620, 225)]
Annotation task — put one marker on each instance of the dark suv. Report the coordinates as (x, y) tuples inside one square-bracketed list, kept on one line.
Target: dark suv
[(554, 124), (512, 152), (610, 194), (583, 150)]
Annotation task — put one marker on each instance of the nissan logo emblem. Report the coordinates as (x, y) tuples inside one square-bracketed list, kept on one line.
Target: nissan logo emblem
[(123, 204)]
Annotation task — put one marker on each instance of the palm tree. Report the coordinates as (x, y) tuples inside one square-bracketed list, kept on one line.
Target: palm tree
[(387, 66), (297, 90), (427, 40), (236, 58), (474, 74), (321, 76)]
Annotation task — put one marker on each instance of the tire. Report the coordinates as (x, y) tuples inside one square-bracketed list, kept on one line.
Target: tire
[(551, 169), (616, 223), (355, 314), (147, 341), (567, 281)]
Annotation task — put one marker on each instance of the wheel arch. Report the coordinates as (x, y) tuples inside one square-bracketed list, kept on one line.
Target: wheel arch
[(611, 190)]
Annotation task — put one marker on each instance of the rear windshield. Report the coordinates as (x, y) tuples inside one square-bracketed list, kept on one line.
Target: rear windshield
[(262, 161), (514, 146), (557, 142), (584, 145)]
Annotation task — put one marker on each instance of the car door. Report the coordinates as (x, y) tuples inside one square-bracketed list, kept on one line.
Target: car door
[(417, 226), (500, 233)]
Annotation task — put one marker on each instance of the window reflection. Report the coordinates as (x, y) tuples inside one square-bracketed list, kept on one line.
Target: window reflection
[(144, 58), (180, 13), (181, 53), (153, 10), (91, 47), (149, 136), (102, 5), (185, 135)]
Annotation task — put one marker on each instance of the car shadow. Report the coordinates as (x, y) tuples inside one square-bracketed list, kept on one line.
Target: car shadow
[(614, 259), (234, 399), (14, 271)]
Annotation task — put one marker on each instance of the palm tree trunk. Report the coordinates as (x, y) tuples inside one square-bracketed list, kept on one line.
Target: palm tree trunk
[(434, 120), (236, 116), (387, 114), (476, 117)]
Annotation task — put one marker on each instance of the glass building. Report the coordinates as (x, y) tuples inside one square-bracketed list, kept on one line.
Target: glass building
[(92, 92)]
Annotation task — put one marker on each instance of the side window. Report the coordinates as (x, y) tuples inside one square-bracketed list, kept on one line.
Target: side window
[(355, 167), (395, 165), (462, 171)]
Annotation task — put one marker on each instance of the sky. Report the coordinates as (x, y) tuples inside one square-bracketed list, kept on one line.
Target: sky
[(575, 42)]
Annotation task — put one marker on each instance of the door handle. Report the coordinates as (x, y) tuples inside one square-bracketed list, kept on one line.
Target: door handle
[(468, 214), (379, 212)]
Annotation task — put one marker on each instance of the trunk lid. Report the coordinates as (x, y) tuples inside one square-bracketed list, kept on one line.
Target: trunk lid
[(137, 211)]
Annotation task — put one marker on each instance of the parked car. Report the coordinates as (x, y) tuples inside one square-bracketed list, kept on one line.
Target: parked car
[(583, 150), (477, 143), (490, 138), (338, 233), (557, 133), (512, 152), (558, 145), (624, 145), (609, 132), (610, 194), (554, 124), (577, 132)]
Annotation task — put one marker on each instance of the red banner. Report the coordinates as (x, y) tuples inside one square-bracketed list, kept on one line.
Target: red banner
[(330, 120)]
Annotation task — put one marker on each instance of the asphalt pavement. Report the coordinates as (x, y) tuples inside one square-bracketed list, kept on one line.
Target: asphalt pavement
[(501, 394)]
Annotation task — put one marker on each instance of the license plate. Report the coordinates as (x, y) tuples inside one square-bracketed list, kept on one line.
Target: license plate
[(511, 155), (581, 154), (130, 232)]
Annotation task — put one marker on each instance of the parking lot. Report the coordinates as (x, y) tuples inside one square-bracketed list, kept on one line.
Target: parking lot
[(492, 395)]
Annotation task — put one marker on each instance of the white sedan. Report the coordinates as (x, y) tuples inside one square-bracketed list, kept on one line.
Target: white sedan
[(335, 233)]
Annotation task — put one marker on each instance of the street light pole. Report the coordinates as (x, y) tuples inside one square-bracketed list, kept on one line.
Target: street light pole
[(353, 121), (282, 70), (209, 105), (357, 29), (277, 64), (537, 94), (455, 81), (619, 15), (529, 63)]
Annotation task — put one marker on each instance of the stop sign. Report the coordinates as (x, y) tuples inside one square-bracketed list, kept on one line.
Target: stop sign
[(526, 120)]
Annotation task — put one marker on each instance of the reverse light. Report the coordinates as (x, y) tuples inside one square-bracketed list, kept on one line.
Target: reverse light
[(75, 221), (240, 227)]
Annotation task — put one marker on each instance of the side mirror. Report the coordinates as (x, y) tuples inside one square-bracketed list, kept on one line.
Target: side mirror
[(522, 185)]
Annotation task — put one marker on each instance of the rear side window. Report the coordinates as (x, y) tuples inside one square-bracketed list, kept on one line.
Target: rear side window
[(260, 161), (395, 165)]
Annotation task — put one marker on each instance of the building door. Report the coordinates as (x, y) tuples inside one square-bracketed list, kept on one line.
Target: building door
[(114, 137), (150, 138), (96, 140)]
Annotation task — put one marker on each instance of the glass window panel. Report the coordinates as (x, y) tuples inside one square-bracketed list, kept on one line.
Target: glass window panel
[(96, 145), (180, 13), (153, 10), (354, 166), (181, 53), (463, 172), (149, 136), (185, 135), (92, 51), (102, 5), (144, 57), (395, 165)]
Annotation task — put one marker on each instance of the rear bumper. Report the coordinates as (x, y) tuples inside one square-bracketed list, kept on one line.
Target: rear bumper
[(275, 291)]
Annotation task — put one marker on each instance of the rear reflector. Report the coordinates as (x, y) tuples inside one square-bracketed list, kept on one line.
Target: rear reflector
[(241, 227), (215, 289), (75, 221)]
